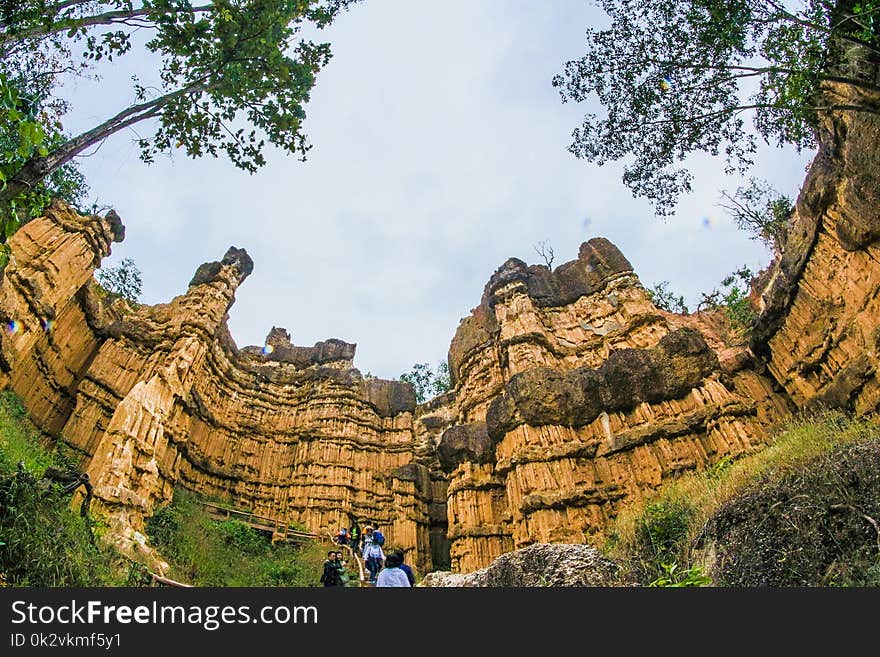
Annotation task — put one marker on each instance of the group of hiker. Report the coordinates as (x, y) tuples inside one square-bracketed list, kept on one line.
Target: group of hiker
[(384, 570)]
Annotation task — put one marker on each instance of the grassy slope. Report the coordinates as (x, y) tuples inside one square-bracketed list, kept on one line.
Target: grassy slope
[(45, 543), (668, 540), (208, 552)]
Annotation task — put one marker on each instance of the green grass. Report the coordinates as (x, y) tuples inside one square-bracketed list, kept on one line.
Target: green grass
[(20, 440), (657, 542), (207, 552), (42, 541)]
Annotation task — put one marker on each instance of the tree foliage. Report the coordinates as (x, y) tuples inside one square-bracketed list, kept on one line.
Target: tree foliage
[(428, 383), (665, 299), (677, 77), (230, 76), (732, 297), (123, 279), (760, 210)]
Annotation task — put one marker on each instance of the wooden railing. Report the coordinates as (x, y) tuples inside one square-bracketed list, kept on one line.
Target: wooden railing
[(362, 578), (281, 529)]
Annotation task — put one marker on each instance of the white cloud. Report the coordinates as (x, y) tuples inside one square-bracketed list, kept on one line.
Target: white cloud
[(439, 152)]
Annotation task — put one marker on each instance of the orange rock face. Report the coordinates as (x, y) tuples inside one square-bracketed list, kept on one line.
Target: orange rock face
[(819, 331), (577, 396), (156, 396), (573, 395)]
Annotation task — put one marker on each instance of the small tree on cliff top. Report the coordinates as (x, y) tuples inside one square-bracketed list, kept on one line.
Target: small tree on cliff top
[(761, 211), (124, 279), (674, 77), (426, 382)]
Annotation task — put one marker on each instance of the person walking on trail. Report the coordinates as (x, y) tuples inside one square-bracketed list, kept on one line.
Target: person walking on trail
[(378, 537), (404, 567), (367, 537), (332, 567), (373, 555), (354, 537), (391, 574), (342, 536)]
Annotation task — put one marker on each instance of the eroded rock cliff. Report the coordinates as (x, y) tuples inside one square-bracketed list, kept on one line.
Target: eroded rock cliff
[(819, 330), (151, 397), (573, 395), (577, 396)]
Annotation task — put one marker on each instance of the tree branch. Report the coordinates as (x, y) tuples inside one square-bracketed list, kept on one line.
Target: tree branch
[(759, 70), (108, 18), (37, 168), (834, 30)]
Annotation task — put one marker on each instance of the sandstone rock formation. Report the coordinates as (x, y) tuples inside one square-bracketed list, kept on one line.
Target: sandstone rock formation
[(577, 396), (153, 397), (573, 395), (819, 331)]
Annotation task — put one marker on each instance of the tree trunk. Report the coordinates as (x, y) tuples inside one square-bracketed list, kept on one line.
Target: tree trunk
[(38, 168)]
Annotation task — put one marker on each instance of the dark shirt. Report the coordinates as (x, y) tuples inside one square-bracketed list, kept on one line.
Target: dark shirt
[(409, 574)]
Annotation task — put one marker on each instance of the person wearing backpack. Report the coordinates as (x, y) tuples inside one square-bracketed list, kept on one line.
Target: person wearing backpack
[(354, 537), (373, 555), (378, 537)]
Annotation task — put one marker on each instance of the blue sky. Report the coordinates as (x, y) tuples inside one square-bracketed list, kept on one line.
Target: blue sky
[(439, 152)]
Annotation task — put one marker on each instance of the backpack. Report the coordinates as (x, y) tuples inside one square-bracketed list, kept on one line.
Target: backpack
[(378, 538)]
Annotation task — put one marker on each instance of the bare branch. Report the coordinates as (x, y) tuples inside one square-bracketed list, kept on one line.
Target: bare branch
[(544, 250)]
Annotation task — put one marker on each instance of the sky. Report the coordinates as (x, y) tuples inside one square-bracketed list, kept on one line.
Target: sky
[(439, 151)]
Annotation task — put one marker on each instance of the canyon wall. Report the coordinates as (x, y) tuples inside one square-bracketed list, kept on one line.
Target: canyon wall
[(819, 330), (149, 397), (577, 396), (573, 395)]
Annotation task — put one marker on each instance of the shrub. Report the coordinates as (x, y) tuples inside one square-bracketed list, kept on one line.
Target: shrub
[(674, 577), (799, 512), (660, 537), (208, 552), (44, 543), (813, 526)]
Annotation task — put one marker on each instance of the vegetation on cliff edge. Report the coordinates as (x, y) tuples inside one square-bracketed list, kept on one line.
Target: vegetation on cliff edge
[(44, 542), (802, 512)]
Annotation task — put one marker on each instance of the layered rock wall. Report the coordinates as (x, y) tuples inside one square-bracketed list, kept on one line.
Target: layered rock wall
[(46, 342), (578, 396), (150, 397), (819, 331), (573, 395)]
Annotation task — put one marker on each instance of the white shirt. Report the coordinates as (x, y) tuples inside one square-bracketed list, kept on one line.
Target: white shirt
[(392, 577)]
